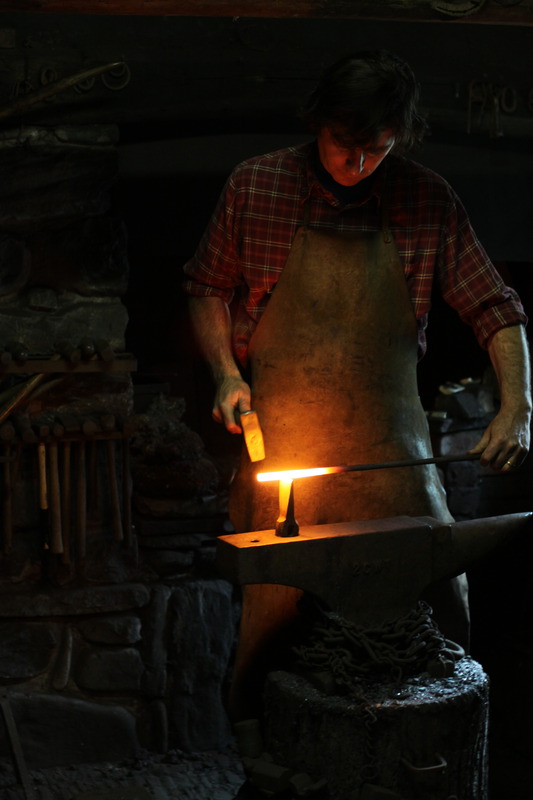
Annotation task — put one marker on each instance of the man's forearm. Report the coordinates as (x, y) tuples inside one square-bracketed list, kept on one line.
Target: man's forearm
[(505, 443), (509, 354), (212, 327), (211, 323)]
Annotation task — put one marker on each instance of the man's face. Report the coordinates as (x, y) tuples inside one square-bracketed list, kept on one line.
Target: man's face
[(350, 165)]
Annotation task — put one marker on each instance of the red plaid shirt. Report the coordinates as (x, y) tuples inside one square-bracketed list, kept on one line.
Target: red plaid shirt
[(246, 243)]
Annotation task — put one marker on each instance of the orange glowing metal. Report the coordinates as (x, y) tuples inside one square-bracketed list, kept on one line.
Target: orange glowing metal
[(286, 524), (292, 474)]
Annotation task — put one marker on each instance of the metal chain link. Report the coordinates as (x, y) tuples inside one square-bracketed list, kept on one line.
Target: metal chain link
[(354, 655)]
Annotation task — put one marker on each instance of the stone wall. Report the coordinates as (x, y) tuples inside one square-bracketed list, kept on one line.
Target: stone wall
[(99, 673), (116, 634)]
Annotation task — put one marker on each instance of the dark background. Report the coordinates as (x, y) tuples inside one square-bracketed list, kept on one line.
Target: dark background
[(203, 94)]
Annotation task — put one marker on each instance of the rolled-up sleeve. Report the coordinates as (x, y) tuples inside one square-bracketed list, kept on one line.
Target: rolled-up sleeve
[(214, 269), (469, 281)]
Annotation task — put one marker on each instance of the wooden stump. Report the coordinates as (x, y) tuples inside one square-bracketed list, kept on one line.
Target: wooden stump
[(421, 738)]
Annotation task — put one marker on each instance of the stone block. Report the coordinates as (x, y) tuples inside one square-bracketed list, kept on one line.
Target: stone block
[(109, 670), (25, 649), (154, 643), (270, 777), (202, 639), (112, 630), (47, 180), (249, 738), (56, 731), (96, 599)]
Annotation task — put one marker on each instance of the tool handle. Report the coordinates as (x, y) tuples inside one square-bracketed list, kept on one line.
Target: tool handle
[(253, 436), (54, 507)]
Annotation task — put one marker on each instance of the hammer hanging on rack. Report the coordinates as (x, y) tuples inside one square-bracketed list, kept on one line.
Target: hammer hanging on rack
[(114, 498), (56, 537)]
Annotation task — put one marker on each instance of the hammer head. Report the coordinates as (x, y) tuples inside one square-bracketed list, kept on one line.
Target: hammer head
[(253, 435)]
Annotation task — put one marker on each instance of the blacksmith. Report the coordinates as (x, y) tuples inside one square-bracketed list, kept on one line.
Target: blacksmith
[(328, 253)]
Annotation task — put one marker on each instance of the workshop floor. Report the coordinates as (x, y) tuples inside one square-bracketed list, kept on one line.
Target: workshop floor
[(174, 776), (199, 776)]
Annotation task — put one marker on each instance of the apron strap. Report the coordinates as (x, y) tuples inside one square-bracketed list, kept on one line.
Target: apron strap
[(307, 213), (384, 207), (385, 227)]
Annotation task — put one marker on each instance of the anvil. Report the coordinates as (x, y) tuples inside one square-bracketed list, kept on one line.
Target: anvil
[(367, 571)]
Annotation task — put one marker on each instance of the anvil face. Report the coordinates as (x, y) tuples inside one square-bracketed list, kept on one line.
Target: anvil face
[(367, 571)]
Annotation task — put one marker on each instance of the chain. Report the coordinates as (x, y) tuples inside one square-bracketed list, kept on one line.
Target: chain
[(355, 656)]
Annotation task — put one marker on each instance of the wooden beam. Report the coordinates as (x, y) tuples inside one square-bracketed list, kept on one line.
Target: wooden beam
[(488, 12)]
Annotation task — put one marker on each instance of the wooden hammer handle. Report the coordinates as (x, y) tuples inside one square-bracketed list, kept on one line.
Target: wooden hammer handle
[(56, 537), (81, 502), (113, 491)]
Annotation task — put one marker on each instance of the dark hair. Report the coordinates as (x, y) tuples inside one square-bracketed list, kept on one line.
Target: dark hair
[(364, 94)]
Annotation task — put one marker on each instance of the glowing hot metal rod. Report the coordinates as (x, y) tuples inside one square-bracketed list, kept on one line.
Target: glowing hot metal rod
[(286, 524)]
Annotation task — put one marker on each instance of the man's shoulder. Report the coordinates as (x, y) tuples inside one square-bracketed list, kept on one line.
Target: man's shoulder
[(402, 167), (411, 176), (287, 158)]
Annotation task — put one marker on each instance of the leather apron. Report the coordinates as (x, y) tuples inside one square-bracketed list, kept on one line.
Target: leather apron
[(334, 382)]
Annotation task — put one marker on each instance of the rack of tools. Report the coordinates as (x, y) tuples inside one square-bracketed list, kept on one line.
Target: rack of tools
[(81, 461)]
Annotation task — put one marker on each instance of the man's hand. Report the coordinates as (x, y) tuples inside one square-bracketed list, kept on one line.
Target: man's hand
[(212, 326), (233, 397), (505, 443)]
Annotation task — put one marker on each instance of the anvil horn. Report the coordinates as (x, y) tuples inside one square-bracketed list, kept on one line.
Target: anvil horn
[(466, 542)]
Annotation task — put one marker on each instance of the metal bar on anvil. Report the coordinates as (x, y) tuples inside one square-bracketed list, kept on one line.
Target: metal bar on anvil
[(367, 571), (294, 474)]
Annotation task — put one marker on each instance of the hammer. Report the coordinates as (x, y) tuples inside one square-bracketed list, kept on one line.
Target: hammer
[(253, 435), (56, 536)]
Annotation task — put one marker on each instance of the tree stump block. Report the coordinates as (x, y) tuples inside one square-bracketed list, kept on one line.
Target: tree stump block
[(422, 738)]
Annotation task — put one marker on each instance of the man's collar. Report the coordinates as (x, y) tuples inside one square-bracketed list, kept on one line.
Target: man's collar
[(321, 184)]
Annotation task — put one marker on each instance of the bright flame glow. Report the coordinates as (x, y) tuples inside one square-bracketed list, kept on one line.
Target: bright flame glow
[(292, 474)]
